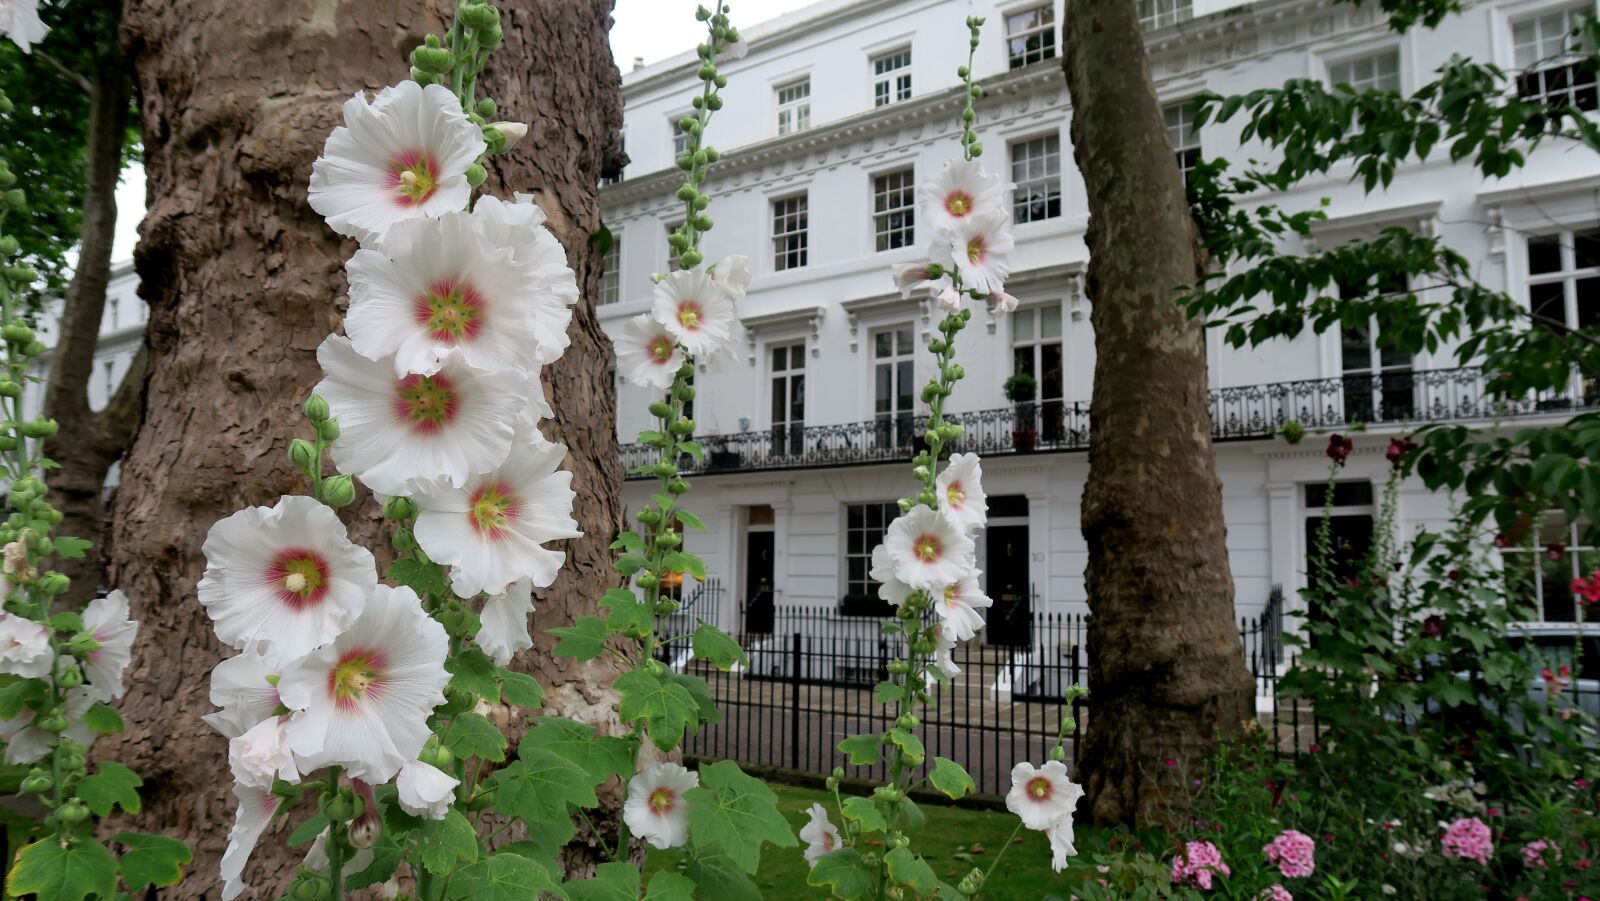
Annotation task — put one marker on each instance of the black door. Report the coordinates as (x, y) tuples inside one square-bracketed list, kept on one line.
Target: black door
[(1352, 539), (1010, 586), (758, 605)]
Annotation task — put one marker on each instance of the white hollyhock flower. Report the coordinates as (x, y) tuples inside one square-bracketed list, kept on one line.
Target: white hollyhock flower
[(521, 227), (503, 622), (977, 249), (257, 806), (437, 284), (19, 21), (425, 790), (647, 354), (961, 192), (284, 576), (656, 809), (732, 275), (453, 424), (910, 278), (960, 492), (890, 588), (363, 701), (24, 647), (1001, 302), (958, 607), (949, 300), (695, 311), (1061, 843), (944, 646), (821, 836), (928, 550), (317, 857), (1042, 796), (403, 155), (106, 619), (240, 686), (734, 50), (262, 754), (27, 744), (490, 531)]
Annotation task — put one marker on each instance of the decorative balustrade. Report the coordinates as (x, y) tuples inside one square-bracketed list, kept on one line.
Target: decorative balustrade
[(1254, 411)]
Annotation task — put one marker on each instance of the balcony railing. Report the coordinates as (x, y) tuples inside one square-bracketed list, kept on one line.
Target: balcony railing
[(1255, 411)]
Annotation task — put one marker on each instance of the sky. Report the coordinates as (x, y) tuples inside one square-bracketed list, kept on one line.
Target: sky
[(653, 29)]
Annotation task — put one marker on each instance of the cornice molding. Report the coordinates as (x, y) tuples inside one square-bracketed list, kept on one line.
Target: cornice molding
[(878, 304), (810, 317)]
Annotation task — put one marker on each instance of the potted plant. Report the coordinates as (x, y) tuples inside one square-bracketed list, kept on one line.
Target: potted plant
[(1020, 389)]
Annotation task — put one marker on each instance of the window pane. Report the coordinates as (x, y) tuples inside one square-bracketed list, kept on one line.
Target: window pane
[(1022, 361), (1586, 250), (1588, 302), (883, 344), (1050, 321), (1355, 344), (884, 389), (1024, 322), (1050, 384), (906, 378), (1544, 254), (1548, 302), (797, 398), (902, 338)]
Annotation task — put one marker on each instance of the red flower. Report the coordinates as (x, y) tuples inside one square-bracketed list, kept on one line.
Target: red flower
[(1433, 626), (1340, 448), (1398, 448), (1588, 590), (1555, 551)]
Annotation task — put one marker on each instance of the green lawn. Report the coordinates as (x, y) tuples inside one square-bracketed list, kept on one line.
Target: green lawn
[(954, 841)]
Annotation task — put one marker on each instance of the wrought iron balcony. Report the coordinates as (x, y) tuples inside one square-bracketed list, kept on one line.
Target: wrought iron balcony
[(1248, 412)]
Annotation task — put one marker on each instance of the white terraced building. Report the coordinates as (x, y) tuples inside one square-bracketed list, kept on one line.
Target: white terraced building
[(841, 108)]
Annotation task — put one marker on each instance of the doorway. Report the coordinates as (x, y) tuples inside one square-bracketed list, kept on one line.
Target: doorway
[(1350, 530), (758, 604), (1009, 579)]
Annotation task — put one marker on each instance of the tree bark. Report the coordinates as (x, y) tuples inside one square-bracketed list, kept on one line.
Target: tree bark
[(244, 281), (1166, 670), (89, 442)]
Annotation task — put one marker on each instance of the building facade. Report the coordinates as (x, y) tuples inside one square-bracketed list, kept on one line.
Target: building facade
[(842, 108)]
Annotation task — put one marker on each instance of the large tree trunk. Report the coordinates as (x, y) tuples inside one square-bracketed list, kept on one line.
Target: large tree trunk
[(1166, 672), (90, 442), (244, 281)]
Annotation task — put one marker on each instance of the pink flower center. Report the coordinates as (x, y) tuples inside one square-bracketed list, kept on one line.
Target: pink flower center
[(977, 249), (451, 312), (827, 841), (660, 349), (958, 203), (492, 509), (358, 673), (426, 403), (412, 178), (1040, 789), (300, 576), (927, 548), (662, 801), (690, 314), (956, 494)]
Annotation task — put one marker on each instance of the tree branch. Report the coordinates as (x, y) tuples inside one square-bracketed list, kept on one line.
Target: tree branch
[(77, 78)]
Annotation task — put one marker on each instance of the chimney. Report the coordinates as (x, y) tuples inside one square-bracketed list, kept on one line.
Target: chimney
[(638, 63)]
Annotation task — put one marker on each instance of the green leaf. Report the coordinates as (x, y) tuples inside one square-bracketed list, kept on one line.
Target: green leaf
[(685, 562), (19, 693), (843, 872), (503, 877), (717, 877), (521, 689), (864, 750), (472, 670), (546, 839), (448, 843), (151, 859), (422, 576), (631, 617), (632, 542), (612, 882), (906, 868), (691, 521), (70, 548), (540, 784), (472, 735), (949, 777), (666, 707), (112, 785), (908, 743), (735, 813), (103, 719), (669, 886), (865, 813), (600, 756), (602, 239), (693, 449), (583, 640), (700, 690), (718, 647), (386, 857), (53, 873), (308, 830)]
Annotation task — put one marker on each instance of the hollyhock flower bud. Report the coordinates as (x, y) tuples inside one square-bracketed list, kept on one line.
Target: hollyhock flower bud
[(338, 491), (315, 408), (510, 132)]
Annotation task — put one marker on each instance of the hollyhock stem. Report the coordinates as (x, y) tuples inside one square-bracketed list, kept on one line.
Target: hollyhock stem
[(335, 841), (697, 158)]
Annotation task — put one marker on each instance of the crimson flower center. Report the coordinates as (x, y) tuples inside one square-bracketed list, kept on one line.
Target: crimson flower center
[(956, 494), (660, 349), (1040, 789), (300, 576), (427, 403), (958, 203), (977, 249), (451, 311), (927, 548), (662, 800), (492, 509), (358, 673), (413, 178), (690, 312)]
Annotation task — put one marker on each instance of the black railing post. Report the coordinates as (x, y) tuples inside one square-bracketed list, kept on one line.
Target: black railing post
[(794, 702)]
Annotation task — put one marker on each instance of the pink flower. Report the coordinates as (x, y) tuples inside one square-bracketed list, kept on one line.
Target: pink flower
[(1340, 448), (1468, 839), (1293, 853), (1588, 590), (1197, 864), (1274, 893), (1533, 854), (1398, 448)]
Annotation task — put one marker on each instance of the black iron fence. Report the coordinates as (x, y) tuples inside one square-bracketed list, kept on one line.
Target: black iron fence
[(810, 684), (1256, 411)]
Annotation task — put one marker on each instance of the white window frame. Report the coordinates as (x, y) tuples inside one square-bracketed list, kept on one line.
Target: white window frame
[(884, 232), (794, 113), (1155, 14), (1048, 50), (893, 84), (610, 290), (680, 138), (1049, 182), (1543, 62), (1185, 153), (1572, 559), (1351, 61), (893, 361), (794, 350), (782, 256), (889, 510)]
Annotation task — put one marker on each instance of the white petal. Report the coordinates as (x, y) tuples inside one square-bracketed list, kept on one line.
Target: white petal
[(504, 622)]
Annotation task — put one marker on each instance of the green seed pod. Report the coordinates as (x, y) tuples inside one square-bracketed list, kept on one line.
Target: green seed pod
[(9, 388), (8, 244), (315, 408), (687, 193), (647, 580), (721, 81), (338, 491), (302, 454), (690, 258), (433, 60), (660, 410), (16, 199), (403, 541), (328, 430), (683, 427), (476, 174), (55, 722), (40, 428), (37, 782), (399, 508), (707, 72), (421, 77), (309, 888), (34, 348), (16, 333), (69, 677), (54, 583), (479, 18), (73, 812), (677, 486), (491, 39)]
